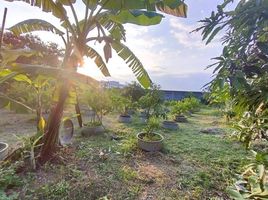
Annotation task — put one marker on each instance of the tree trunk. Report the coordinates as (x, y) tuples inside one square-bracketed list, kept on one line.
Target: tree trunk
[(51, 136)]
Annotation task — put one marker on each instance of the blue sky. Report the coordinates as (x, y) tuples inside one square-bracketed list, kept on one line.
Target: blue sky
[(173, 57)]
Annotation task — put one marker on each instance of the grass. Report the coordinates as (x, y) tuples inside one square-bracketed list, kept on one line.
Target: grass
[(192, 165)]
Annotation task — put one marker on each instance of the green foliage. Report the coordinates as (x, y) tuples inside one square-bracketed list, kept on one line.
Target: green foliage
[(9, 179), (179, 108), (120, 102), (152, 102), (30, 145), (241, 69), (99, 101), (152, 125), (134, 91), (250, 127), (252, 183), (59, 190), (127, 174), (190, 104)]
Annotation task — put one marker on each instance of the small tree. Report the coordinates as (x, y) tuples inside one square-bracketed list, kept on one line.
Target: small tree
[(152, 102), (107, 18), (99, 101)]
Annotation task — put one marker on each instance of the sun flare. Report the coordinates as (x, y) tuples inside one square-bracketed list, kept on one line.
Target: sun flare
[(89, 68)]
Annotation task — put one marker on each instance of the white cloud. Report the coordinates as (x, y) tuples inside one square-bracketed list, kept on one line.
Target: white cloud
[(183, 34)]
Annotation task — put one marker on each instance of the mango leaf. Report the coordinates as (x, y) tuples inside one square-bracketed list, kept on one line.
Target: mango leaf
[(133, 62), (139, 17), (91, 53), (31, 25), (234, 194)]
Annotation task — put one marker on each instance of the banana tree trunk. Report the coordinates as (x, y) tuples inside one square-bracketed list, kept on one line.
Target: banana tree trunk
[(52, 134)]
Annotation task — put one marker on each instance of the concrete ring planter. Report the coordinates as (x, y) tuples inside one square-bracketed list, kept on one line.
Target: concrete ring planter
[(87, 131), (181, 118), (150, 146), (124, 119), (170, 125), (3, 150)]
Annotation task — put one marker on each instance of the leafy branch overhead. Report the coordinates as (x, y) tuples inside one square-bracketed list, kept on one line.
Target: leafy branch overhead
[(107, 17)]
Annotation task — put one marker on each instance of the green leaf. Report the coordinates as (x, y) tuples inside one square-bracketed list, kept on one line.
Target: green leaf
[(139, 17), (133, 62), (48, 6), (235, 194), (173, 7), (213, 34), (91, 53), (57, 73), (31, 25), (7, 76), (11, 55), (67, 2)]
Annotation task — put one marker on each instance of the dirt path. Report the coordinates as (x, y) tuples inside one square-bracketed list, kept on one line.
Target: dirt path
[(12, 124)]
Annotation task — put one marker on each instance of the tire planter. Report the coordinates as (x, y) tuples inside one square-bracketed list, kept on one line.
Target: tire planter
[(181, 118), (92, 131), (3, 150), (171, 125), (66, 132), (124, 119), (151, 146)]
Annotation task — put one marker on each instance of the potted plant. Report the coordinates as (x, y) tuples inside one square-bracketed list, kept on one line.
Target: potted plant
[(148, 140), (99, 102), (3, 150), (151, 104), (178, 110), (121, 104)]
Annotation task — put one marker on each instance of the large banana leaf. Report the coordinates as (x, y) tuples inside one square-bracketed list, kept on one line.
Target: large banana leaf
[(11, 55), (31, 25), (57, 73), (56, 8), (133, 62), (172, 7), (139, 17), (91, 53)]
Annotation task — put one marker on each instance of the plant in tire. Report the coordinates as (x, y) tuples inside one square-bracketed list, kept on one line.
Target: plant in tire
[(105, 16)]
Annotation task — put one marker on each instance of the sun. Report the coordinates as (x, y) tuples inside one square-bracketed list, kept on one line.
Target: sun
[(89, 68)]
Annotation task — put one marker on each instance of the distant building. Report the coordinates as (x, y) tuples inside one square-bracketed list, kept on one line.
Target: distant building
[(112, 84), (179, 95)]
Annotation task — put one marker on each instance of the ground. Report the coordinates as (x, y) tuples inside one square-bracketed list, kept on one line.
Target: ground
[(192, 165)]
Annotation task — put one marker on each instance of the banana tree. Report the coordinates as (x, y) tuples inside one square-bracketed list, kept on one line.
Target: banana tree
[(102, 22)]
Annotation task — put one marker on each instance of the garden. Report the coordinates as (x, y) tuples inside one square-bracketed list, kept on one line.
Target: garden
[(63, 135)]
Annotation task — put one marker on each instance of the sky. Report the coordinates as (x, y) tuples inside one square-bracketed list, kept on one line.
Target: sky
[(173, 57)]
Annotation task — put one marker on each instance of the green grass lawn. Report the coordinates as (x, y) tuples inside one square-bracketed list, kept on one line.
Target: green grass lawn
[(192, 165)]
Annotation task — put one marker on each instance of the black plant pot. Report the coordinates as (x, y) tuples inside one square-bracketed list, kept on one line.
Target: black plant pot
[(181, 118), (124, 119), (151, 146), (87, 131), (170, 125)]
